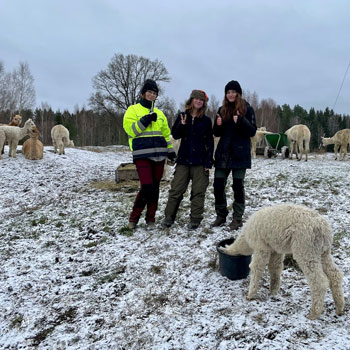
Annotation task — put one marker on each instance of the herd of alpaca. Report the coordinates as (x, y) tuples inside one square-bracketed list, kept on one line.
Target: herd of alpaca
[(32, 148)]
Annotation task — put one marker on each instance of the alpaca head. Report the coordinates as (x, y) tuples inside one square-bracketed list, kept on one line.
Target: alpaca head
[(326, 141), (16, 120), (28, 124), (34, 131)]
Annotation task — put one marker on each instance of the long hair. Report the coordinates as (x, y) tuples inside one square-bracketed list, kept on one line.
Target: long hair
[(189, 107), (230, 109)]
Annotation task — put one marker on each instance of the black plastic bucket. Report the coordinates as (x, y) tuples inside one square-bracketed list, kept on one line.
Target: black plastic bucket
[(234, 267)]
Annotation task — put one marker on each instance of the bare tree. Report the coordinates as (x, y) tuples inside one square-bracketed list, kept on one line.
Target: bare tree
[(17, 89), (213, 107), (118, 86), (24, 84)]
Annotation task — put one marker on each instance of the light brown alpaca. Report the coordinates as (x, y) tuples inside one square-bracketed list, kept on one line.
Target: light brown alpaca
[(16, 121), (297, 136), (33, 148), (340, 139)]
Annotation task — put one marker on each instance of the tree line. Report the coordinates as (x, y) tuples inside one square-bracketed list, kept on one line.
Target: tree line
[(118, 86)]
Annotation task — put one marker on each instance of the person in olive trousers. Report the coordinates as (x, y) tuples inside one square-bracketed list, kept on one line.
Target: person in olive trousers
[(235, 125), (194, 159)]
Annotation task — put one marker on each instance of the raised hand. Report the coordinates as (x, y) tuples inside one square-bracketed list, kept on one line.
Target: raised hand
[(218, 120), (183, 118)]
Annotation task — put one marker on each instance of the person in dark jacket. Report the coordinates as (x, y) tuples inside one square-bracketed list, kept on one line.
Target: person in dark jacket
[(194, 159), (235, 125)]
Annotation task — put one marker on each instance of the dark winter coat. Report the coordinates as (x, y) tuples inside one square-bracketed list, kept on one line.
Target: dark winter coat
[(197, 142), (233, 150)]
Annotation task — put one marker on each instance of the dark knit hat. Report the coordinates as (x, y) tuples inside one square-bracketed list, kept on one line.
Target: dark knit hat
[(233, 85), (149, 84)]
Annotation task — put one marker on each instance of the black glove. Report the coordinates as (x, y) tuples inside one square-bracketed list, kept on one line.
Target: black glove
[(148, 119), (172, 156), (153, 116)]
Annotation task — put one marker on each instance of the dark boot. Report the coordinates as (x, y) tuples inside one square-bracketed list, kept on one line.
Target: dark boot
[(219, 221), (167, 222), (235, 224), (193, 225)]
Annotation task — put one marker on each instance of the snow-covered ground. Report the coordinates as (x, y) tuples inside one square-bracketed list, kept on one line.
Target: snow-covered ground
[(72, 275)]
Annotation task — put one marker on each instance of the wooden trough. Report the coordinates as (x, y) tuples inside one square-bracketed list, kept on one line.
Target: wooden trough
[(126, 172)]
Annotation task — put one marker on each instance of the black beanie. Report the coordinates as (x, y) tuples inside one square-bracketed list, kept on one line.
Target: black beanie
[(233, 85), (149, 84)]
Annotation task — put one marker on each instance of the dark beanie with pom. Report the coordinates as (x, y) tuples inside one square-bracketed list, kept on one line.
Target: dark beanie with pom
[(233, 85), (151, 85)]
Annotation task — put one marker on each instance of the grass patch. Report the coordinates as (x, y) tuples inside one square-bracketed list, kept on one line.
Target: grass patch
[(125, 186), (17, 322), (112, 276), (126, 231)]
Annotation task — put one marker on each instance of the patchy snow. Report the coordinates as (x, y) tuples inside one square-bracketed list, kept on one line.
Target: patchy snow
[(73, 276)]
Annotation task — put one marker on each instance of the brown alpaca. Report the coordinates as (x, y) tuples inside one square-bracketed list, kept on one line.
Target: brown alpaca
[(33, 148), (16, 121)]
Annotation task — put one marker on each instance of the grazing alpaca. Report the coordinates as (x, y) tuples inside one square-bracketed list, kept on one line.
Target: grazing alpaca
[(13, 135), (32, 148), (297, 135), (340, 139), (16, 121), (284, 229), (60, 138)]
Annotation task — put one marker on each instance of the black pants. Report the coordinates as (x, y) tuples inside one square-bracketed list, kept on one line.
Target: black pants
[(220, 181)]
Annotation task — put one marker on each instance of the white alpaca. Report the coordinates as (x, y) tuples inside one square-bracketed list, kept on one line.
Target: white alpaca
[(291, 229), (33, 148), (60, 138), (297, 135), (13, 134), (256, 139), (340, 139), (15, 121)]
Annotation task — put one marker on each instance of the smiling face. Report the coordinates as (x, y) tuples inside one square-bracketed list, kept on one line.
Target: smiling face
[(150, 95), (197, 103), (231, 95)]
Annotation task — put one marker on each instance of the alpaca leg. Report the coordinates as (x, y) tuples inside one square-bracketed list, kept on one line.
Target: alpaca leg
[(14, 144), (291, 150), (10, 148), (60, 147), (2, 144), (335, 278), (275, 269), (54, 147), (257, 267), (317, 281), (336, 148), (301, 150), (307, 149), (342, 152)]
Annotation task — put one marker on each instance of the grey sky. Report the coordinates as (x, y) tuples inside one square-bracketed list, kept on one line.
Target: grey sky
[(295, 52)]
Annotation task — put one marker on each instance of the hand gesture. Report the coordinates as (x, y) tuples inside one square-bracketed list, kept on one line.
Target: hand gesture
[(218, 120), (235, 118), (183, 118)]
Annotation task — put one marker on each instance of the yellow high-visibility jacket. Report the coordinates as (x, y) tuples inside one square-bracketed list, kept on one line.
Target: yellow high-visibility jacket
[(151, 141)]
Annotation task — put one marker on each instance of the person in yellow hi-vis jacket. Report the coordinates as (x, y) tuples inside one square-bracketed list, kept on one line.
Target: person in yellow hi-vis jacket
[(149, 141)]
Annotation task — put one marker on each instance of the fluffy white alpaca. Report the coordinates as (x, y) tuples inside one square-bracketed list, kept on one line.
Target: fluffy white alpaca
[(13, 134), (340, 139), (291, 229), (60, 138), (297, 136), (15, 121), (33, 148)]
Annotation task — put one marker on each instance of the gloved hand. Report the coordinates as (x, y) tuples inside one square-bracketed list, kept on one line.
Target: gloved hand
[(172, 156), (153, 116)]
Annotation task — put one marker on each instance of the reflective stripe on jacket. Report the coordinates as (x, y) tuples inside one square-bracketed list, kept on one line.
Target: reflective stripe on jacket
[(148, 141)]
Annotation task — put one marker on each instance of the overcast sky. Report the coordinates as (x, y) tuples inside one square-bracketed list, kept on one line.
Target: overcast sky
[(295, 52)]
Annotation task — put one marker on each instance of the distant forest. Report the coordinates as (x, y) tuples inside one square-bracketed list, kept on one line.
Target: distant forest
[(88, 128)]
